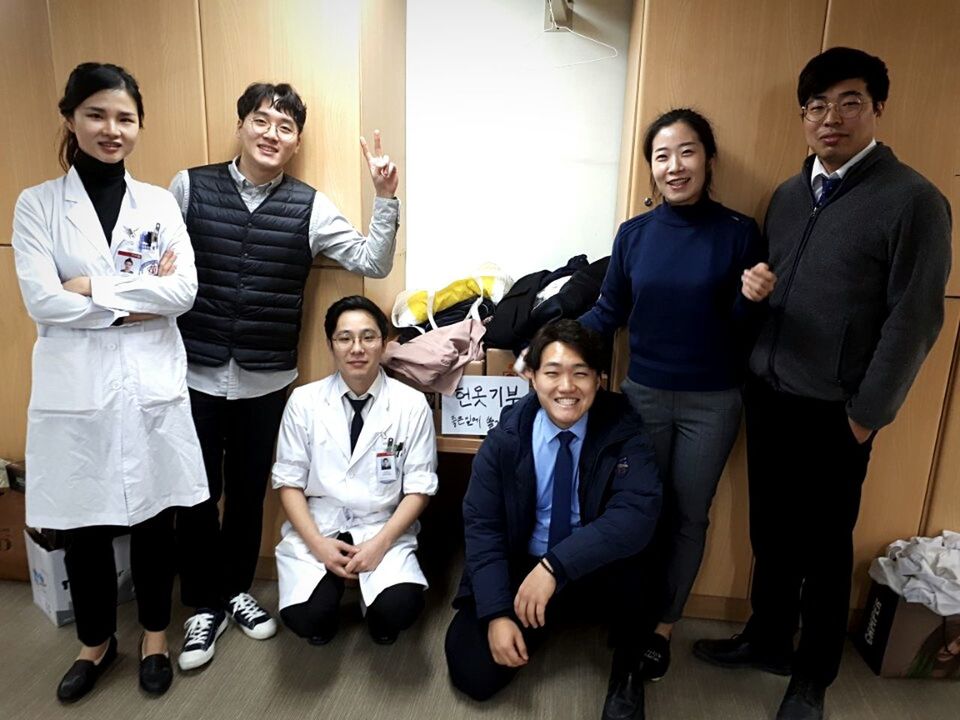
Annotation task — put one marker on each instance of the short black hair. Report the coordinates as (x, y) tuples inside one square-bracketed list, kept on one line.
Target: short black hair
[(283, 98), (354, 302), (696, 122), (842, 63), (584, 341)]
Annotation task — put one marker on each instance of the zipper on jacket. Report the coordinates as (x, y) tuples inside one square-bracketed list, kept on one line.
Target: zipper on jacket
[(811, 220)]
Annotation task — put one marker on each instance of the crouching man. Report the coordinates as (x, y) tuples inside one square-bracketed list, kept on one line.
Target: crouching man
[(563, 496), (356, 464)]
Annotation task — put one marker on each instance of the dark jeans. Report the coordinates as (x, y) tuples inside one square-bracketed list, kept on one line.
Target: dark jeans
[(806, 470), (611, 594), (92, 572), (217, 559)]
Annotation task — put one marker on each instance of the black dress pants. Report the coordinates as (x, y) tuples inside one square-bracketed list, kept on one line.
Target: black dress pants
[(396, 608), (92, 573), (611, 594), (217, 559), (806, 471)]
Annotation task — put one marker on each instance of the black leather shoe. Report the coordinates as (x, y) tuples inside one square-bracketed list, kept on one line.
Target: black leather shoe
[(655, 658), (802, 701), (739, 652), (320, 639), (83, 674), (384, 638), (624, 694), (156, 672)]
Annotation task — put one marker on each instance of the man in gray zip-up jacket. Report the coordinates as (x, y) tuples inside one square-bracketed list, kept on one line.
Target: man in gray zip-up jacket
[(861, 244)]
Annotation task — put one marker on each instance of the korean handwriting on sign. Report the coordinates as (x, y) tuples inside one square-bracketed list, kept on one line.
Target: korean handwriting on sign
[(500, 397)]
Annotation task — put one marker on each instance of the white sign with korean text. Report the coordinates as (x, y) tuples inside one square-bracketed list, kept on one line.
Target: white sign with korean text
[(474, 408)]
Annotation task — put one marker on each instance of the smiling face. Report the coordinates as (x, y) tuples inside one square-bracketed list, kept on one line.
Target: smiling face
[(565, 384), (836, 139), (357, 347), (268, 139), (679, 164), (106, 125)]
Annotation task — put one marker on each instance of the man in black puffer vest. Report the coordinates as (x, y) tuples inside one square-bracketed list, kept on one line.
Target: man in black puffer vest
[(255, 232)]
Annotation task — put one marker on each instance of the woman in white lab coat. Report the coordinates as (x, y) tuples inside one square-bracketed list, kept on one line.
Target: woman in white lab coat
[(356, 464), (105, 266)]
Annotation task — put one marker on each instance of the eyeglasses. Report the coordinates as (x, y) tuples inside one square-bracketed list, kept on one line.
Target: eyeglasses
[(345, 341), (848, 107), (285, 131)]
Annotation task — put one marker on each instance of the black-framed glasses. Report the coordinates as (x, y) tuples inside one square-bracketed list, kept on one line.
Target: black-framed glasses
[(346, 340), (848, 107)]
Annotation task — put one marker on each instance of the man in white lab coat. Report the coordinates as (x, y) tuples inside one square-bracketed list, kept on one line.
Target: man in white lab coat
[(356, 464), (255, 230)]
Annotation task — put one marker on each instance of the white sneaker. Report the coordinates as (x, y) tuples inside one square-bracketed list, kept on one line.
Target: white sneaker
[(251, 618), (203, 629)]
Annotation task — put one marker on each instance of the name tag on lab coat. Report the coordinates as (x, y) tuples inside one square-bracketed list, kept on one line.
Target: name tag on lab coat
[(386, 467)]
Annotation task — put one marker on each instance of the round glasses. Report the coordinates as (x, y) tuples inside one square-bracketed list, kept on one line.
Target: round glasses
[(345, 341), (285, 131), (848, 107)]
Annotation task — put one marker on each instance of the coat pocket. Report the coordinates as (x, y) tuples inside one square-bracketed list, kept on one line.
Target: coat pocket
[(65, 375), (161, 367)]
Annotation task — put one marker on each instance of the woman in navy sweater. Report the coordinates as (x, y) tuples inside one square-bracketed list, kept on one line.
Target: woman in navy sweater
[(688, 280)]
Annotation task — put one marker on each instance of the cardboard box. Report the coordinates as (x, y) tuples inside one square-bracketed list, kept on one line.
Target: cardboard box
[(13, 551), (500, 362), (48, 576), (902, 639)]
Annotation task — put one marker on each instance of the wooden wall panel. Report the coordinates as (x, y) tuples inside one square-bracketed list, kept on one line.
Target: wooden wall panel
[(943, 497), (383, 86), (30, 131), (902, 460), (315, 46), (737, 62), (920, 44), (18, 333), (159, 42)]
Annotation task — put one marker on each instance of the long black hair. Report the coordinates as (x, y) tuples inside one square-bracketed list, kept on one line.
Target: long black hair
[(88, 79)]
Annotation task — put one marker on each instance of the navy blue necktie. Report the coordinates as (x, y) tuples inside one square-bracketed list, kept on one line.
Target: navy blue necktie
[(357, 425), (562, 506), (827, 188)]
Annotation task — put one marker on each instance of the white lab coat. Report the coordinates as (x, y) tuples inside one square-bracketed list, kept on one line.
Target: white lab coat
[(110, 437), (344, 492)]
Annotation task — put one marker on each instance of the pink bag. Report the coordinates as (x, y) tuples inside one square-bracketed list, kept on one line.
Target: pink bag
[(434, 361)]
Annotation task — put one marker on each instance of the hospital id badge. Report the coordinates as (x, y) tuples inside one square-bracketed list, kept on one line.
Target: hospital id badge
[(386, 467)]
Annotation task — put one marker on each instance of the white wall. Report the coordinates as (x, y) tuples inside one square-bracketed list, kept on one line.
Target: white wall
[(509, 158)]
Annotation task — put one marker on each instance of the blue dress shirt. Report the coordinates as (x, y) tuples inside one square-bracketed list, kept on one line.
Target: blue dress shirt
[(545, 446)]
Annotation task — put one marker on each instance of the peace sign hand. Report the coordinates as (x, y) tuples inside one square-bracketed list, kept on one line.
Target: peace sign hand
[(382, 171)]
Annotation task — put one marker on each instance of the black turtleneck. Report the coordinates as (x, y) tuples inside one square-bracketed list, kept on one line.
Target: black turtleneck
[(105, 184)]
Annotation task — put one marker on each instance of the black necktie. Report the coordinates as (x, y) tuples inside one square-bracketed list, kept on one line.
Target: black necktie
[(827, 188), (357, 424), (562, 505)]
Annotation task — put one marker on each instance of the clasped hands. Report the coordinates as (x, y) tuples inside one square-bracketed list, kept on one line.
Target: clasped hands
[(504, 635), (346, 560)]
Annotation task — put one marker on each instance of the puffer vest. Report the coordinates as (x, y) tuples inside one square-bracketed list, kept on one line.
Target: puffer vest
[(251, 268)]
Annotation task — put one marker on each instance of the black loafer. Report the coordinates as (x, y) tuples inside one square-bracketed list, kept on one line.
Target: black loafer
[(156, 672), (384, 639), (739, 652), (320, 639), (655, 658), (802, 701), (625, 697), (83, 674)]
